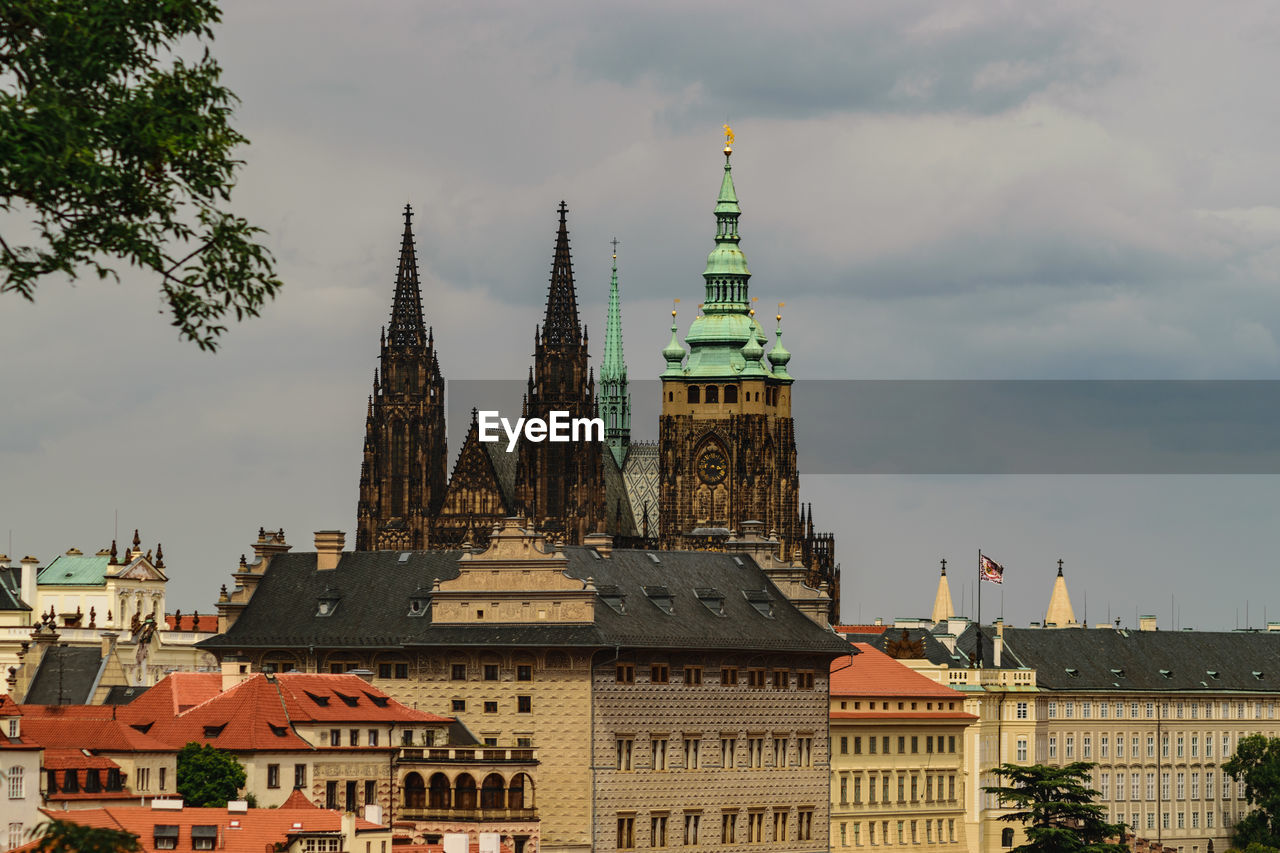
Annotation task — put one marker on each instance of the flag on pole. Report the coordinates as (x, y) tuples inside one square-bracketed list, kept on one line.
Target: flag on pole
[(990, 570)]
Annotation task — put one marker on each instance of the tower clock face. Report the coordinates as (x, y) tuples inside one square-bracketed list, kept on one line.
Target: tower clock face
[(712, 467)]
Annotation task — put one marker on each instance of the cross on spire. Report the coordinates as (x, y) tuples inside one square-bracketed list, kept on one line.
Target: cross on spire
[(944, 565), (1059, 568)]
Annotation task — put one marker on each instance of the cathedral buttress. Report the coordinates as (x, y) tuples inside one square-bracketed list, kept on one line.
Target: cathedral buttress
[(402, 477)]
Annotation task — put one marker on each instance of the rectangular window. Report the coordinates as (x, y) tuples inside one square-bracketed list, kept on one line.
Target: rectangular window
[(915, 788), (780, 816), (728, 827), (1119, 745), (781, 679), (729, 676), (273, 775), (402, 670), (658, 748), (692, 675), (871, 744), (1180, 742), (902, 788), (1053, 710), (901, 825), (524, 672), (844, 789), (331, 794), (458, 672), (755, 752), (1087, 746), (691, 822), (1208, 785), (857, 788), (884, 789), (624, 747), (1151, 746), (804, 752), (659, 673), (804, 680), (354, 737), (1086, 709), (1164, 786), (626, 833), (626, 673), (524, 704), (163, 781), (755, 828), (299, 775), (915, 744), (902, 744), (373, 737), (1195, 786), (951, 787), (1104, 744), (779, 752), (384, 670), (1070, 746), (951, 743), (658, 830), (1151, 786), (728, 752), (804, 825), (844, 744), (457, 705), (1182, 786), (491, 707), (1053, 746), (491, 672), (692, 750), (928, 787)]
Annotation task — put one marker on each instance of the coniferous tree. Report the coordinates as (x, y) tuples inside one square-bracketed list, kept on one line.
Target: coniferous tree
[(1057, 808)]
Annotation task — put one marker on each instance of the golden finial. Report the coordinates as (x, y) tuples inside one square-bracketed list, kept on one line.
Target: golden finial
[(674, 303), (781, 305), (728, 139)]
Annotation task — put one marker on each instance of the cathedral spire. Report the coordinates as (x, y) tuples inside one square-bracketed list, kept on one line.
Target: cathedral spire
[(561, 325), (726, 273), (615, 395), (1060, 612), (406, 310), (943, 609)]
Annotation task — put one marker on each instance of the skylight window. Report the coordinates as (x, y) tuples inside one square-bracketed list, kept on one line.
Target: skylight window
[(1118, 672), (1073, 672), (655, 559), (1212, 673), (404, 557)]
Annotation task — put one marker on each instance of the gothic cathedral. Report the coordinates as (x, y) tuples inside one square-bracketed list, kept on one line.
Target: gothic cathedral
[(723, 469)]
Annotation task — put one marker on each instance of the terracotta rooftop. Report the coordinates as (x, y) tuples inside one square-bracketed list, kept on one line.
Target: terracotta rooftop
[(63, 758), (203, 622), (873, 673), (254, 829)]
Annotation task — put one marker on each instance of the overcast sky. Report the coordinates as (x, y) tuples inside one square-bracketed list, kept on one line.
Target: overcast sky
[(937, 191)]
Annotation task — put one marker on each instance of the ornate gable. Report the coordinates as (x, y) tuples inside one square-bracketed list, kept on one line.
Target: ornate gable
[(473, 501)]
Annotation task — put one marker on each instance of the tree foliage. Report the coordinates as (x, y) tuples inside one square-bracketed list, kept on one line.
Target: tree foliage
[(208, 776), (116, 151), (60, 836), (1057, 808), (1256, 765)]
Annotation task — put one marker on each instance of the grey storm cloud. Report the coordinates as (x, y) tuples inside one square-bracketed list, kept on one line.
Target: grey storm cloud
[(959, 191)]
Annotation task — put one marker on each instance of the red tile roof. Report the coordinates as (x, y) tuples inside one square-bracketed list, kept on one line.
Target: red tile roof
[(873, 673), (902, 715), (298, 800), (62, 758), (207, 622), (253, 830), (71, 729), (259, 712)]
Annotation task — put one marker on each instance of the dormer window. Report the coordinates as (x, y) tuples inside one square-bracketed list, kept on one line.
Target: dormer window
[(712, 599), (612, 596), (661, 597), (760, 600), (1074, 673), (166, 837), (328, 602), (15, 728), (419, 602), (1167, 673)]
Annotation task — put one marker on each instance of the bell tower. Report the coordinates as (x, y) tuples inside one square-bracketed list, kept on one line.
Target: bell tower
[(402, 476)]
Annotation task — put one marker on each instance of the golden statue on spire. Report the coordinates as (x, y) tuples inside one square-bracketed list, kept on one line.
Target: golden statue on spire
[(728, 139)]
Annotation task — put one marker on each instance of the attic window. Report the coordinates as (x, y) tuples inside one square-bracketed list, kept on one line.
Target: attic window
[(1167, 673), (142, 727), (351, 701), (328, 602), (166, 837), (419, 602), (660, 596), (760, 600), (278, 731), (1073, 672), (403, 558), (203, 837), (611, 595), (1212, 673), (655, 559), (214, 731), (319, 700), (380, 701), (712, 598)]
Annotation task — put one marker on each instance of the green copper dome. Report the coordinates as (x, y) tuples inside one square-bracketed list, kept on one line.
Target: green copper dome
[(779, 355)]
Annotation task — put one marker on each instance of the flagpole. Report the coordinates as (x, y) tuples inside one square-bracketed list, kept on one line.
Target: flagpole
[(979, 641)]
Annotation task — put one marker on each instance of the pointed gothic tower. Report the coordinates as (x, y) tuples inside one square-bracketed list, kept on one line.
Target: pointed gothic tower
[(943, 609), (402, 478), (615, 395), (1060, 614), (560, 485)]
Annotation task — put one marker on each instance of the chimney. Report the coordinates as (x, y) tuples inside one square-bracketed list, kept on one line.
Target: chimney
[(997, 648), (602, 542), (1147, 623), (234, 671), (329, 549), (29, 589), (109, 643), (373, 813)]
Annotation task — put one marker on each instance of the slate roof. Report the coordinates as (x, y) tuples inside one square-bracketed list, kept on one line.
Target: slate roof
[(934, 651), (121, 694), (1147, 661), (373, 589), (504, 465), (10, 600), (67, 675)]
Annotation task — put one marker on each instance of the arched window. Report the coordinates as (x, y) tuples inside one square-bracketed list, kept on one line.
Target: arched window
[(693, 393), (671, 396), (415, 793), (713, 394), (440, 791), (731, 393), (491, 792), (515, 792), (1006, 837), (464, 792)]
